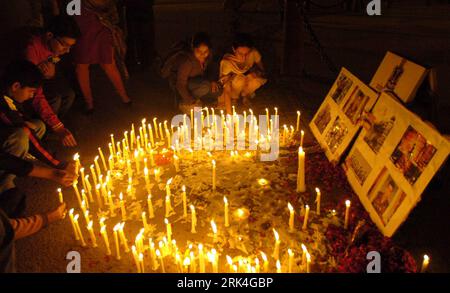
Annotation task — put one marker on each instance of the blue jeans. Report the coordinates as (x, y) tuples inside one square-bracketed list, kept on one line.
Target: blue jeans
[(15, 141)]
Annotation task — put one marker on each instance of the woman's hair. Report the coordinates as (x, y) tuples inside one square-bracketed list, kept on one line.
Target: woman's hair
[(199, 39), (242, 40), (64, 26), (22, 71)]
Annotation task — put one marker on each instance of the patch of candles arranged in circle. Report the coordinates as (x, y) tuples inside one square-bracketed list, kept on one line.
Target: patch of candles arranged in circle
[(135, 156)]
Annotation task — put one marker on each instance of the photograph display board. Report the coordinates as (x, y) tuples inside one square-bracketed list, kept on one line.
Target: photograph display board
[(340, 116), (392, 161), (398, 75)]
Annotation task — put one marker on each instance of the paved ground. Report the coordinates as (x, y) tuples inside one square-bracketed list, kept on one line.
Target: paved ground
[(358, 43)]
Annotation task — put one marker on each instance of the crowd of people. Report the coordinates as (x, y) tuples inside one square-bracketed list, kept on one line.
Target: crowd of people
[(36, 96)]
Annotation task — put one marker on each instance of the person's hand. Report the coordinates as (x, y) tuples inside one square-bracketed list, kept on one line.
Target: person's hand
[(58, 214), (66, 137), (47, 69), (63, 177), (214, 87), (71, 168)]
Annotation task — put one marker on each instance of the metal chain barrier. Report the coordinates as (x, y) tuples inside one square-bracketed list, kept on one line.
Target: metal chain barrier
[(315, 40)]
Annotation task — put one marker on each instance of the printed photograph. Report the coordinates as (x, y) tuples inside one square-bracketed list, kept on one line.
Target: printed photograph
[(336, 135), (361, 168), (343, 84), (323, 118), (377, 131), (412, 154), (355, 105)]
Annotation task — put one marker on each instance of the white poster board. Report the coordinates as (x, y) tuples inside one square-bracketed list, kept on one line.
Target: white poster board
[(398, 75), (339, 117), (392, 161)]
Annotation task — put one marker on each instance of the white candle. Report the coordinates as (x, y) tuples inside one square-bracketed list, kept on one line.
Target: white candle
[(183, 189), (318, 198), (193, 219), (75, 188), (116, 240), (82, 178), (298, 121), (91, 233), (60, 195), (137, 160), (291, 218), (308, 262), (176, 162), (157, 172), (147, 180), (150, 207), (122, 207), (72, 221), (291, 260), (266, 262), (155, 127), (425, 263), (301, 138), (105, 239), (158, 254), (347, 210), (305, 219), (276, 250), (301, 187), (278, 266), (97, 166), (144, 220), (227, 224), (304, 251), (122, 236), (214, 230), (76, 158), (213, 175), (77, 226), (168, 230), (201, 258)]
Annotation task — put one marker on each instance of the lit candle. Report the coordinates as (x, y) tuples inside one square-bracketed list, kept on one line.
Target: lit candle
[(276, 250), (193, 220), (91, 233), (156, 127), (144, 220), (161, 135), (105, 239), (152, 160), (60, 195), (304, 251), (94, 175), (266, 262), (86, 216), (301, 187), (82, 178), (150, 131), (111, 163), (291, 218), (153, 254), (136, 159), (122, 236), (301, 138), (291, 260), (72, 221), (347, 210), (227, 223), (318, 201), (77, 226), (169, 208), (168, 230), (113, 144), (257, 267), (305, 219), (141, 262), (214, 229), (157, 172), (176, 162), (278, 266), (201, 258), (298, 121), (183, 189), (122, 207), (158, 254), (425, 263), (116, 239), (97, 166), (150, 207), (230, 263), (89, 189), (213, 175), (308, 262)]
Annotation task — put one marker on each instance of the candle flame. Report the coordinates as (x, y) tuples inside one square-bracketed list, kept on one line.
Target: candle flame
[(347, 203), (158, 254), (263, 255), (214, 227), (290, 252), (278, 265), (103, 229), (225, 200), (426, 259), (263, 182), (169, 181), (275, 233), (291, 209), (146, 171), (317, 190)]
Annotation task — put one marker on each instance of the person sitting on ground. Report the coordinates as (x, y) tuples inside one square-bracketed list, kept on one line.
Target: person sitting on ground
[(187, 71), (55, 96), (20, 135), (241, 73), (12, 225)]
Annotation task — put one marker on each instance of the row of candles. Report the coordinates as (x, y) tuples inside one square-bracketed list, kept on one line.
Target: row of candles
[(131, 156)]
